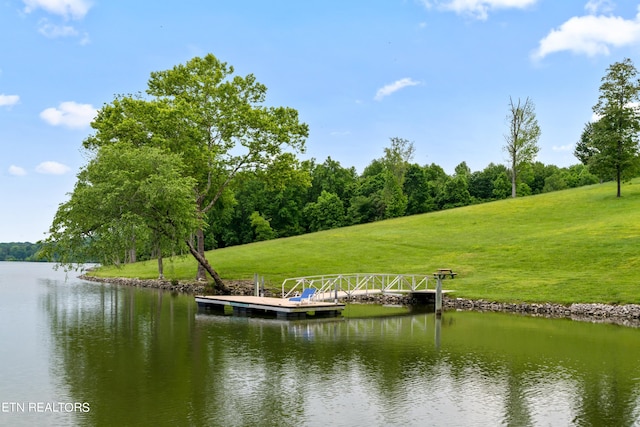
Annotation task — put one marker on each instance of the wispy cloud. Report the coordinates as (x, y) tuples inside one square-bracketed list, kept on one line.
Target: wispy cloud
[(60, 10), (8, 100), (568, 147), (52, 168), (478, 9), (394, 87), (599, 6), (69, 114), (53, 31), (590, 35), (17, 171), (68, 9)]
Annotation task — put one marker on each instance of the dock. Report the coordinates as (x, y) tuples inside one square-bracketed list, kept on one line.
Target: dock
[(280, 308), (320, 296)]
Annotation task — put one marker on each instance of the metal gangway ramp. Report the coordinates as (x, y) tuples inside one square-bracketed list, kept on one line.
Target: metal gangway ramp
[(339, 286)]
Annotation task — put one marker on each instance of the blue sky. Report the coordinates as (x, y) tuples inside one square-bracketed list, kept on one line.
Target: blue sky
[(436, 72)]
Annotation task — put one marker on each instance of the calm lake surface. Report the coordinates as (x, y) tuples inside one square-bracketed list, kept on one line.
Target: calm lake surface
[(79, 353)]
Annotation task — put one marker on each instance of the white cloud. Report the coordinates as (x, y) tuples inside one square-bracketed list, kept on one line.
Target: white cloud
[(52, 168), (478, 8), (590, 35), (68, 9), (599, 6), (8, 100), (568, 147), (69, 114), (53, 31), (394, 87), (17, 171)]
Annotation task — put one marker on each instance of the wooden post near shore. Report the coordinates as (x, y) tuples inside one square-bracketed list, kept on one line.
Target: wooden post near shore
[(441, 274)]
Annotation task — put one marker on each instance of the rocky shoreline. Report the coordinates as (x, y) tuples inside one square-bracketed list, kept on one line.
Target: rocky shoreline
[(626, 315), (238, 287)]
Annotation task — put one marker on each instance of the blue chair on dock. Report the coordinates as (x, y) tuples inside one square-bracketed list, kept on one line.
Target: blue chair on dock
[(307, 294)]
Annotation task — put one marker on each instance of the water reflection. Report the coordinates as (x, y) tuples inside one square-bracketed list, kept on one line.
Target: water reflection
[(144, 357)]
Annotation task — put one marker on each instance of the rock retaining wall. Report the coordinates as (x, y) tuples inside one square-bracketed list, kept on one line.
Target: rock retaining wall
[(628, 314), (168, 285)]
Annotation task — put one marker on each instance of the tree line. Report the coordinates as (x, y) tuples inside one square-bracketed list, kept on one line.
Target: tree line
[(19, 251), (200, 162), (319, 196)]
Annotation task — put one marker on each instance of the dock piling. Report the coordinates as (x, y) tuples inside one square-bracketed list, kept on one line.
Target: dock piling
[(441, 274), (438, 296)]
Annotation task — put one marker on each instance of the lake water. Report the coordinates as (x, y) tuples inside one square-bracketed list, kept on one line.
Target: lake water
[(79, 353)]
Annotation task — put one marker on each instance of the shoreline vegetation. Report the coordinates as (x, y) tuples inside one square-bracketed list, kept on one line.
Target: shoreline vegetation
[(623, 315)]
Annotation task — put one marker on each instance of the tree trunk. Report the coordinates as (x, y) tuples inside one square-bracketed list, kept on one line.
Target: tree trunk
[(160, 265), (513, 180), (201, 274), (202, 261), (132, 251)]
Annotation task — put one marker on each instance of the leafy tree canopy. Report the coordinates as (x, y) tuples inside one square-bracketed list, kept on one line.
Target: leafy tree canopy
[(126, 197), (213, 119), (609, 146)]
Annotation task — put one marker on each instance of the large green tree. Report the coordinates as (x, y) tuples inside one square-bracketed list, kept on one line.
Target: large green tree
[(609, 145), (396, 161), (326, 213), (214, 119), (278, 192), (482, 183), (416, 188), (330, 176), (522, 138), (125, 198), (379, 193)]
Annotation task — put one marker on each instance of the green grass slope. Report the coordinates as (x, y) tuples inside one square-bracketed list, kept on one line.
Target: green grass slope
[(578, 245)]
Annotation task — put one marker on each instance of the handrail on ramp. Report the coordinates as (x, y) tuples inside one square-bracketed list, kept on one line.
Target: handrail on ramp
[(334, 286)]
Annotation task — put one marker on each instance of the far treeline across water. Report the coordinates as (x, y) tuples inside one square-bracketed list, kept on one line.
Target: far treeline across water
[(19, 251)]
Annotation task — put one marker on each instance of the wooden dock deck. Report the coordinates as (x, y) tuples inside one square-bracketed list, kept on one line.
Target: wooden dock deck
[(280, 308)]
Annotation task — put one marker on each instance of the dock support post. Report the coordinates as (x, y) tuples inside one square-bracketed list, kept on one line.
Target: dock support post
[(439, 296), (440, 275), (255, 284)]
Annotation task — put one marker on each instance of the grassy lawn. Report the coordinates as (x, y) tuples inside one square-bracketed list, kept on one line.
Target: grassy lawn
[(578, 245)]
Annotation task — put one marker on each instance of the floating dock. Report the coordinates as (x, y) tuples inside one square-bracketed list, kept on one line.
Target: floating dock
[(280, 308)]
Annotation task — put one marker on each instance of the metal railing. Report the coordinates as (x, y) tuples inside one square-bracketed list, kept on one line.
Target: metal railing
[(338, 286)]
